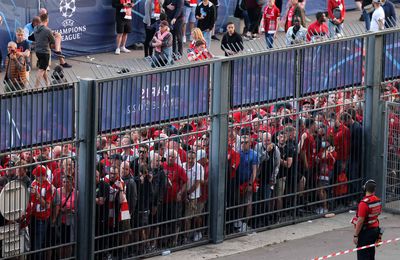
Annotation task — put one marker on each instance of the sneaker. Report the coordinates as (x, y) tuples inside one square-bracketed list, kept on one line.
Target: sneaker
[(117, 51), (66, 65), (237, 224), (59, 54), (184, 39), (319, 210), (214, 37), (248, 34), (125, 50), (255, 36), (243, 228), (197, 236)]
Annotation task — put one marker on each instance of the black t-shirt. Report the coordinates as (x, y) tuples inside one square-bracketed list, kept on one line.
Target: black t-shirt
[(145, 194), (102, 190), (22, 47), (286, 151)]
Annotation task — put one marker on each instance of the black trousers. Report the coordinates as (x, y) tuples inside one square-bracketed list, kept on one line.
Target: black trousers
[(148, 50), (367, 237), (177, 37), (255, 18)]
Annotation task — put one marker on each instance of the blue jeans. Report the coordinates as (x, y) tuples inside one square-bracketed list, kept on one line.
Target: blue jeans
[(334, 29), (38, 230), (269, 39), (207, 37), (367, 20)]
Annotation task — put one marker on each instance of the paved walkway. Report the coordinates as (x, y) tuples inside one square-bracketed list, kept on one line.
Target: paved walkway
[(302, 241)]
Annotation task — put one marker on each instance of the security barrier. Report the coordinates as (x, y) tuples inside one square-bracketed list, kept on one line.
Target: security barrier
[(142, 162)]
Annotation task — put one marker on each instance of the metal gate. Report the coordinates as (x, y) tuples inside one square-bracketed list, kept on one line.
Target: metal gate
[(391, 183)]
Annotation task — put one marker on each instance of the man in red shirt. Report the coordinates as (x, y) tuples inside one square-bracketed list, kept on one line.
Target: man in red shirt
[(336, 13), (308, 152), (342, 142), (40, 200), (366, 222), (318, 30), (271, 16), (176, 192)]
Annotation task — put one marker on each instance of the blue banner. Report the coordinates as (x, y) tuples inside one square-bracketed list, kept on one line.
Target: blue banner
[(263, 78), (153, 98), (392, 56), (332, 66), (36, 118)]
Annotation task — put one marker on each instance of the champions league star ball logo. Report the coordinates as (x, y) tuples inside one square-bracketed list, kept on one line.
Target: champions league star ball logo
[(67, 8)]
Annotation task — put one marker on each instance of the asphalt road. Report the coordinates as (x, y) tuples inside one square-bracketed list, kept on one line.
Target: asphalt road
[(324, 244)]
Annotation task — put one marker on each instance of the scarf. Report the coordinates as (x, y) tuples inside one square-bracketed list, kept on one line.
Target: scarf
[(126, 10), (157, 8), (161, 38)]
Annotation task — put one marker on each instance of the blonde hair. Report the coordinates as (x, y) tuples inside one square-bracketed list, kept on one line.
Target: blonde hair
[(19, 30), (197, 35)]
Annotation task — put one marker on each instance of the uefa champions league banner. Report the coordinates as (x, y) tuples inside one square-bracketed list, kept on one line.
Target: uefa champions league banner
[(153, 98), (37, 118), (332, 66), (265, 78)]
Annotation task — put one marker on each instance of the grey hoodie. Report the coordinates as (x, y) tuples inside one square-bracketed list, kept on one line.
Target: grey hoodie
[(43, 38)]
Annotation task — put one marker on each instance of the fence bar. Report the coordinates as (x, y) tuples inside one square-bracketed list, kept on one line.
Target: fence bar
[(219, 143), (374, 119), (87, 131)]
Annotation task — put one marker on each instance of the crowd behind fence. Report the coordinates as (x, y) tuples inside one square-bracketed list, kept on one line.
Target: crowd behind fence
[(296, 148)]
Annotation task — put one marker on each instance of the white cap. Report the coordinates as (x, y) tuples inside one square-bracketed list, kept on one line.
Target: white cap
[(376, 1)]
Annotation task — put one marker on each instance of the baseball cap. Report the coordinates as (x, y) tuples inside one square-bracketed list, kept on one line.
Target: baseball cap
[(200, 154), (376, 1), (39, 171)]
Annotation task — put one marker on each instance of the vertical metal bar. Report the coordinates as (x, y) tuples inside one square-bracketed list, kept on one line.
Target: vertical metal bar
[(219, 145), (385, 153), (373, 111), (87, 117)]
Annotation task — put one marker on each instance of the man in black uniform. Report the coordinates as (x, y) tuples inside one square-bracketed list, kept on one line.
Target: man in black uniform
[(366, 222)]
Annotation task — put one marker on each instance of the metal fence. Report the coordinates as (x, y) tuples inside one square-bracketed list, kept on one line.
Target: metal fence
[(143, 162), (391, 191)]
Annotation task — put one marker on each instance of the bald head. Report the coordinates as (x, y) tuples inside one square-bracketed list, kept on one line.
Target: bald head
[(125, 170)]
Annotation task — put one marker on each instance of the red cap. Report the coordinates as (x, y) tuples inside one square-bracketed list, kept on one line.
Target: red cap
[(39, 171)]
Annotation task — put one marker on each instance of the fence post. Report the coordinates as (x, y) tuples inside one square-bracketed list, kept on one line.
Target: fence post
[(219, 144), (87, 132), (374, 112)]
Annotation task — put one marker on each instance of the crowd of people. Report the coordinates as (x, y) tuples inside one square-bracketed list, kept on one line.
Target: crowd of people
[(286, 160), (259, 16), (152, 184), (38, 38), (165, 25)]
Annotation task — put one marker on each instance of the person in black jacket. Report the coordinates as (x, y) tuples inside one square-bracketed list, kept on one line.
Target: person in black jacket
[(159, 190), (123, 25), (205, 15), (145, 198), (232, 42), (174, 9)]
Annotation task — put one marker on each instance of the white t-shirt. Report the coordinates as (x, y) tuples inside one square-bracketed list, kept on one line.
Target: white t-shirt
[(377, 15), (196, 173)]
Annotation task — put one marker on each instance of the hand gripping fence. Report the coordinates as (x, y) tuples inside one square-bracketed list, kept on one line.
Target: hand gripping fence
[(357, 249)]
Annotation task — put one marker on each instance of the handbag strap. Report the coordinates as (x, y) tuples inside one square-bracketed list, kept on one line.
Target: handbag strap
[(66, 200)]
